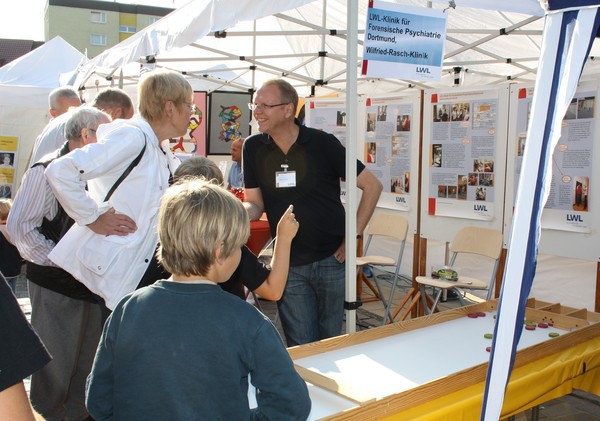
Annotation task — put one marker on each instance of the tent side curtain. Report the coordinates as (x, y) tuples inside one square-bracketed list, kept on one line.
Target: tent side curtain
[(567, 40)]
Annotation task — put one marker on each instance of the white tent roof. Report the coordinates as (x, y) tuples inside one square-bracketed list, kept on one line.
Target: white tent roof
[(48, 66), (305, 40)]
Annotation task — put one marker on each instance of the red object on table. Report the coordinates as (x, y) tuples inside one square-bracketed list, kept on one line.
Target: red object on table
[(260, 234)]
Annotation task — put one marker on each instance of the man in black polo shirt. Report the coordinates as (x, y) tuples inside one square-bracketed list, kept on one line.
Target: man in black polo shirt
[(291, 164)]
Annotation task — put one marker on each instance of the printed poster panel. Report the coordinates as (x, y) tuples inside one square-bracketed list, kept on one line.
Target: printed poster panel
[(404, 42), (329, 116), (461, 155), (388, 148), (8, 161), (568, 204)]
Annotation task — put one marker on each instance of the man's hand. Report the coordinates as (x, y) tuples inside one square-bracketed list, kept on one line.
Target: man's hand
[(287, 227), (340, 253), (113, 223)]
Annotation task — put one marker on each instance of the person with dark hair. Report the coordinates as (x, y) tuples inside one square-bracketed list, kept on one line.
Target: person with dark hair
[(63, 311), (115, 102), (289, 164)]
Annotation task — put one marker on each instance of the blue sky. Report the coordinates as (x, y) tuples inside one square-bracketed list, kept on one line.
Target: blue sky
[(24, 19)]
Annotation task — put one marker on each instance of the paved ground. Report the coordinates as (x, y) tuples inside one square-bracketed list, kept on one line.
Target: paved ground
[(578, 406)]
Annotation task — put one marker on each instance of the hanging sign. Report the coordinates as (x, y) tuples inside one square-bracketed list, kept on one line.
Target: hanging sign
[(403, 42)]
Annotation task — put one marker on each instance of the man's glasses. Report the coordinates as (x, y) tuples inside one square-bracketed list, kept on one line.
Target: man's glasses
[(263, 107)]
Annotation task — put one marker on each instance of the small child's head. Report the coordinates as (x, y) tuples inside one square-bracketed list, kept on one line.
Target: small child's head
[(197, 220), (199, 166), (5, 205)]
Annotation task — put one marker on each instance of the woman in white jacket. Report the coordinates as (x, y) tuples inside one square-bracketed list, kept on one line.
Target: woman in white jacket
[(111, 247)]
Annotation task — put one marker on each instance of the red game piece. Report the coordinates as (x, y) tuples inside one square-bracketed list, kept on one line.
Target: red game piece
[(488, 348), (472, 315), (530, 327), (543, 325), (480, 314)]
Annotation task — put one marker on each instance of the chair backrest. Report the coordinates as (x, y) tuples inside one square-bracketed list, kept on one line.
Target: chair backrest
[(395, 226), (475, 240), (481, 241)]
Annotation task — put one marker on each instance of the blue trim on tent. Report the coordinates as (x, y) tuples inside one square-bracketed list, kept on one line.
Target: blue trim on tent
[(565, 4), (569, 19)]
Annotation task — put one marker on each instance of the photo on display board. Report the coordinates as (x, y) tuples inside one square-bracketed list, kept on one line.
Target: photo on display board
[(371, 122), (7, 160), (436, 155), (371, 152), (462, 188), (581, 188), (341, 119), (5, 191), (403, 123)]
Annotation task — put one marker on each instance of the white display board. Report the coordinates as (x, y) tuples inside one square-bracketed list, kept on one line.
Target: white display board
[(463, 160), (388, 143), (569, 227)]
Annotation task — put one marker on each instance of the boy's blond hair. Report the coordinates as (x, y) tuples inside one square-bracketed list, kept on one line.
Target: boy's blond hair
[(158, 87), (199, 166), (195, 218), (5, 205)]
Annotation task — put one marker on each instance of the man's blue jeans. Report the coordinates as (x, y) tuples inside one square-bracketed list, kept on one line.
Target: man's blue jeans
[(312, 306)]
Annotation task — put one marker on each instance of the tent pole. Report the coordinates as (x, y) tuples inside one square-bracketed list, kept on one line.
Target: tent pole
[(254, 54), (351, 148)]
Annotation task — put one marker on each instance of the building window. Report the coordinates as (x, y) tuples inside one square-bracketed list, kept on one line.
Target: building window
[(152, 19), (97, 17), (97, 39), (127, 29)]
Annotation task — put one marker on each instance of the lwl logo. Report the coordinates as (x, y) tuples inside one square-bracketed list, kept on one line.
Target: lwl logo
[(574, 218), (480, 208)]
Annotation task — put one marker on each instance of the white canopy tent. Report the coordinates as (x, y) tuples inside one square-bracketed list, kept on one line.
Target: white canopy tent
[(305, 41), (499, 41), (24, 87)]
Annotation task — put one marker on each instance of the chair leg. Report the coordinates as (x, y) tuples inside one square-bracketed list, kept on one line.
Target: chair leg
[(460, 296), (424, 296), (360, 278)]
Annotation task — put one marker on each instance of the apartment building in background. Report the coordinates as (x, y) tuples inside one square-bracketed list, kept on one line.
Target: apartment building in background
[(92, 26)]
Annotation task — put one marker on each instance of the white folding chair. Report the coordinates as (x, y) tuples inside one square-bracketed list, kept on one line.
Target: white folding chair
[(469, 240), (384, 225)]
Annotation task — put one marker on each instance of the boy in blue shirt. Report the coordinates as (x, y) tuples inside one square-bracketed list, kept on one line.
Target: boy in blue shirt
[(183, 348)]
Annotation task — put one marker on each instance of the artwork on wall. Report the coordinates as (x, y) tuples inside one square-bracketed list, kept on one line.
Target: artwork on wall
[(229, 120), (194, 141)]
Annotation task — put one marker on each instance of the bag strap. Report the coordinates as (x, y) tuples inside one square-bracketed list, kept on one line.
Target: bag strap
[(127, 171)]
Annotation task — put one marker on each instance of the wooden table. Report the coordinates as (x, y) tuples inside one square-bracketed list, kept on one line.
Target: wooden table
[(435, 366)]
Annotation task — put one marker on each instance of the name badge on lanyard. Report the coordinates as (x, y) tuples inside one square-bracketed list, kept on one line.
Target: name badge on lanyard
[(285, 178)]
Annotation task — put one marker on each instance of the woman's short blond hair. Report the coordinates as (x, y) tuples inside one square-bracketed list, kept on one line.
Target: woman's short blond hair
[(199, 166), (195, 218), (5, 205), (158, 87)]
